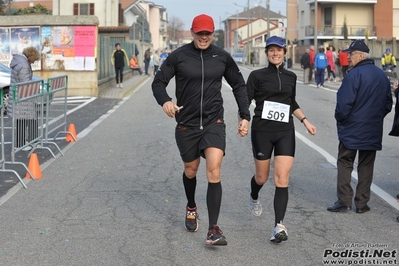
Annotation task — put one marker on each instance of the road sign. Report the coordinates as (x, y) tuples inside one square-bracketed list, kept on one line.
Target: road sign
[(241, 45)]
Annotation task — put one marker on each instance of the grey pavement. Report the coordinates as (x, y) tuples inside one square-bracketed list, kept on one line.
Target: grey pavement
[(116, 198)]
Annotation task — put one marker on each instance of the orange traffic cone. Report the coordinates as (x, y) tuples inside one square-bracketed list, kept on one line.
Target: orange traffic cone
[(71, 135), (34, 167)]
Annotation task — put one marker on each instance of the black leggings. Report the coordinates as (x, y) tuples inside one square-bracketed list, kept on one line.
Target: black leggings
[(264, 143), (119, 75)]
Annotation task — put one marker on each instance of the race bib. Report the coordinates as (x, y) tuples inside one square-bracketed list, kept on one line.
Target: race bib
[(276, 111)]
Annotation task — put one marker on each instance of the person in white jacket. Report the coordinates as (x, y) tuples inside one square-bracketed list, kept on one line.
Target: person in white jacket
[(155, 59)]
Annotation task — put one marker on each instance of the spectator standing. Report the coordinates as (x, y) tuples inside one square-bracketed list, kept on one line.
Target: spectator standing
[(134, 64), (162, 57), (363, 100), (338, 65), (305, 65), (118, 58), (343, 61), (331, 65), (25, 112), (312, 56), (320, 65), (155, 59), (395, 126), (198, 68), (147, 59), (388, 61)]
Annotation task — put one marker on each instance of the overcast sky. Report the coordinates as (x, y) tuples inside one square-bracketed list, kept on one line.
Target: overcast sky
[(219, 10)]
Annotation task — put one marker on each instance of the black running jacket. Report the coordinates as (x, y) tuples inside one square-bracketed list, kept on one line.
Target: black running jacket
[(198, 76)]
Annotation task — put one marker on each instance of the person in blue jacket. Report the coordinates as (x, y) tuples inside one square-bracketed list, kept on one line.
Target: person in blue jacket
[(320, 64), (363, 100)]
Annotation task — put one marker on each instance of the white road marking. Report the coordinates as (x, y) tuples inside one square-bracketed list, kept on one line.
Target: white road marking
[(332, 160)]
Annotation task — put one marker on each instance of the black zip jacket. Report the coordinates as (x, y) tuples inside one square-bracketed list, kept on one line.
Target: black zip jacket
[(198, 76), (276, 85)]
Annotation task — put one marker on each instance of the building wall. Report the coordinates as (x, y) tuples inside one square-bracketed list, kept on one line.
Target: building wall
[(395, 18), (154, 20), (383, 19), (292, 14), (356, 15), (107, 18)]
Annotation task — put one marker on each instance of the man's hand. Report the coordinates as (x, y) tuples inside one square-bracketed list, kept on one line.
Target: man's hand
[(243, 127), (170, 108)]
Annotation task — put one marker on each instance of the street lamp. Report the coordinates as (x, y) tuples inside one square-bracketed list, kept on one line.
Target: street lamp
[(246, 8), (236, 33), (315, 24), (141, 26)]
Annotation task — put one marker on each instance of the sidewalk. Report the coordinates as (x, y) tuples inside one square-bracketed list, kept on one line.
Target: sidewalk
[(129, 84)]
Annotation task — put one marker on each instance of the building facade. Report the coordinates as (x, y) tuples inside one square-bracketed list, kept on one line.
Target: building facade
[(323, 20), (249, 29)]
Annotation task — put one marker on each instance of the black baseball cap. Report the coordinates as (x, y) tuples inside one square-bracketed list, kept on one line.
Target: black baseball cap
[(357, 45)]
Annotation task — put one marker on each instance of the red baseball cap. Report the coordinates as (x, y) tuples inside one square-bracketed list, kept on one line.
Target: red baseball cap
[(203, 23)]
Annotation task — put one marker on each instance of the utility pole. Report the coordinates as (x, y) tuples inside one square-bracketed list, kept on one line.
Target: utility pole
[(315, 25), (236, 37), (248, 44), (268, 17)]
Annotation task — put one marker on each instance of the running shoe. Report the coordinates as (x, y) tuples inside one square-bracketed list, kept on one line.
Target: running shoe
[(215, 237), (279, 234), (255, 206), (191, 219)]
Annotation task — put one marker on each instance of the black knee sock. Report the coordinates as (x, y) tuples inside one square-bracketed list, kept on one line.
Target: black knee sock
[(280, 204), (213, 201), (255, 188), (189, 187)]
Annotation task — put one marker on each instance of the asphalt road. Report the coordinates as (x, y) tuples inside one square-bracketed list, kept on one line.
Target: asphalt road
[(116, 197)]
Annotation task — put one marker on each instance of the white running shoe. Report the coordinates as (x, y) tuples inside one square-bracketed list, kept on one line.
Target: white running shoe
[(255, 206), (120, 85), (279, 234)]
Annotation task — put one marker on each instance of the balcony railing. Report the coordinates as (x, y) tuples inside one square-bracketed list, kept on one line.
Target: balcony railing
[(337, 30), (163, 26)]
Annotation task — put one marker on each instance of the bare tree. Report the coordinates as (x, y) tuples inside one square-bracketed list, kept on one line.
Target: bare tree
[(3, 5), (175, 28)]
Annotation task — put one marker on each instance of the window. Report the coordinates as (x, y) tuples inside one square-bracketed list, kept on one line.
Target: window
[(328, 16), (83, 9)]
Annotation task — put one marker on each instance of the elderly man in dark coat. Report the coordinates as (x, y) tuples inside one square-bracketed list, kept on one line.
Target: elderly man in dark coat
[(363, 100)]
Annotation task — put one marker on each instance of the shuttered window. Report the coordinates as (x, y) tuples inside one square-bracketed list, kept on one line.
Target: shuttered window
[(83, 9)]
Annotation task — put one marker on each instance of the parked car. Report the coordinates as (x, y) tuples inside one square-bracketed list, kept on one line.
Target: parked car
[(240, 58), (5, 78)]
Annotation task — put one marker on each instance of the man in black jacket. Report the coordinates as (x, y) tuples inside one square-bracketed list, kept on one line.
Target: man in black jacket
[(118, 58), (305, 65), (147, 59), (198, 68)]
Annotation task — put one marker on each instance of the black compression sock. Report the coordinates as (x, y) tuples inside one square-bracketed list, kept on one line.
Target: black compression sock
[(280, 204), (189, 187), (213, 202), (255, 188)]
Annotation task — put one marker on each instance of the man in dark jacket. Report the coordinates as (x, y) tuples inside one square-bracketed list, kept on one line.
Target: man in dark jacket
[(363, 100), (305, 65), (198, 68), (118, 59), (147, 59)]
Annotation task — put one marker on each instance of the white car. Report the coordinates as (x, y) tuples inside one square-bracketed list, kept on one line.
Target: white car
[(5, 79), (240, 58)]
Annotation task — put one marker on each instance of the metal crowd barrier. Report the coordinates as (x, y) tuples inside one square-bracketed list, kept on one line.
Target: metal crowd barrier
[(39, 110), (3, 158), (27, 106), (56, 108)]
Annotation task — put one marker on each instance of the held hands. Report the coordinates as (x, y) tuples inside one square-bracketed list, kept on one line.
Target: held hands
[(311, 128), (242, 127), (395, 85), (170, 108)]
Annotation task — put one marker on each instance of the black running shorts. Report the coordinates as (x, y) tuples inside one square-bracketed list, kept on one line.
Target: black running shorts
[(192, 141), (263, 143)]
